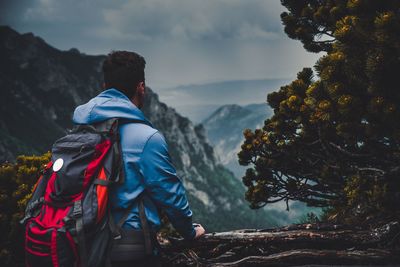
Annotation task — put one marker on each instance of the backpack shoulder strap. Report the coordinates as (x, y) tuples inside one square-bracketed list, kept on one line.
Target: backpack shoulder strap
[(115, 228), (110, 125), (146, 228)]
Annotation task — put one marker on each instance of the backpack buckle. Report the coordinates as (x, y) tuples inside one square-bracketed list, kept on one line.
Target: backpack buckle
[(23, 221), (77, 210), (30, 209)]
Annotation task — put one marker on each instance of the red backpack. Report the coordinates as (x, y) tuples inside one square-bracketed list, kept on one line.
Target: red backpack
[(67, 219)]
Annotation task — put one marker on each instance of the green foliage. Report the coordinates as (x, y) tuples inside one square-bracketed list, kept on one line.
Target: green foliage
[(334, 138), (16, 184)]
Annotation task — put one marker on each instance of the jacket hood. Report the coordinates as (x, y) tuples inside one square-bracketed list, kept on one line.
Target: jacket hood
[(109, 104)]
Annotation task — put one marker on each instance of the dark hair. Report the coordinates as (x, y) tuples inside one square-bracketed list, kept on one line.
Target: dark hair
[(123, 70)]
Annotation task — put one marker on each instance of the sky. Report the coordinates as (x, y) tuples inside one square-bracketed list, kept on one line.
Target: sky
[(184, 41)]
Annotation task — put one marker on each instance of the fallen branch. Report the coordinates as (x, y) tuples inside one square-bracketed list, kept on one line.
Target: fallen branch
[(306, 256), (297, 244)]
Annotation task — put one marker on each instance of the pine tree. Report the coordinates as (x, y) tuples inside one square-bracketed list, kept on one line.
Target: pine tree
[(334, 138), (16, 184)]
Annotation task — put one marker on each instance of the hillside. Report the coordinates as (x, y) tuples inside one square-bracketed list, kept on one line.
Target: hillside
[(40, 86), (225, 128)]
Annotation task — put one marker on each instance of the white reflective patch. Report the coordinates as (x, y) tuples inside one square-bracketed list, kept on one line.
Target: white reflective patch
[(58, 164)]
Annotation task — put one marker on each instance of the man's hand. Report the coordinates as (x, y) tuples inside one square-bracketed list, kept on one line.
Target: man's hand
[(200, 231)]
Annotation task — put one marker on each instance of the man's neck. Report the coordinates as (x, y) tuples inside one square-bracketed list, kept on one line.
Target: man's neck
[(136, 102)]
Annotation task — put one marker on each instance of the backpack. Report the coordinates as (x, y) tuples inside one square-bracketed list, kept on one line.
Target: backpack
[(67, 220)]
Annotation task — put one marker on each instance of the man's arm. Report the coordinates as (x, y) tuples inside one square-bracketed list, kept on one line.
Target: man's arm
[(163, 185)]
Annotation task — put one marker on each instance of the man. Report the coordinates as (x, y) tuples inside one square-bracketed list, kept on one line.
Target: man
[(147, 165)]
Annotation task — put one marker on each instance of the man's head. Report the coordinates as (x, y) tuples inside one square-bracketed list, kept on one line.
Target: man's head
[(124, 71)]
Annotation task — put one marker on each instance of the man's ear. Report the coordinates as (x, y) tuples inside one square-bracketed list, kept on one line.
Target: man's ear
[(104, 86), (140, 88)]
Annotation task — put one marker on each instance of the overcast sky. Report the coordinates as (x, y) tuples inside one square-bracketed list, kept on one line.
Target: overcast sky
[(183, 41)]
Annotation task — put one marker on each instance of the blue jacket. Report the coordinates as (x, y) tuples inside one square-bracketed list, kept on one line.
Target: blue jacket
[(147, 165)]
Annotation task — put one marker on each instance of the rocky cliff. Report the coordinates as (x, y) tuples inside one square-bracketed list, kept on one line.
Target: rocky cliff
[(224, 129), (40, 87)]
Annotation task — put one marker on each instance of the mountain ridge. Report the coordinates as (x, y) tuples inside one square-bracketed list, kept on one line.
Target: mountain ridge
[(206, 98), (225, 126), (25, 65), (224, 129), (41, 86)]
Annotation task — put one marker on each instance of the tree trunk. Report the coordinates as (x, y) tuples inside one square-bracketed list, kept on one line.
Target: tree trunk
[(289, 246)]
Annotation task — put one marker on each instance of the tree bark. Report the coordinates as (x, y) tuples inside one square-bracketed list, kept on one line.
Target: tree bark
[(289, 246)]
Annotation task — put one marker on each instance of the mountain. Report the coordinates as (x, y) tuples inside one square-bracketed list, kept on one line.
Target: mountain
[(196, 113), (225, 127), (215, 195), (40, 86), (199, 101)]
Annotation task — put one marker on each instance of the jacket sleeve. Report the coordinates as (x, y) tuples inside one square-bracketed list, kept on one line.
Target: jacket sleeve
[(163, 185)]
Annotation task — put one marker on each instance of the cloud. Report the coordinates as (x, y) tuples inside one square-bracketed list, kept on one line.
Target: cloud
[(183, 41), (196, 20), (158, 19)]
